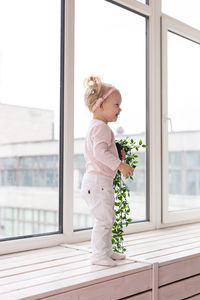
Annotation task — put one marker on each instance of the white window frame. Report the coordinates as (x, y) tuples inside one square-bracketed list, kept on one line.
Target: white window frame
[(186, 31), (157, 171), (29, 243), (153, 12), (69, 236)]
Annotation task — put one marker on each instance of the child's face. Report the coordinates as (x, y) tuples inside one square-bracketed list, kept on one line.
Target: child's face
[(111, 107)]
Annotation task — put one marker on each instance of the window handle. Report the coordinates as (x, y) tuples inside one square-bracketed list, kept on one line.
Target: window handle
[(170, 120)]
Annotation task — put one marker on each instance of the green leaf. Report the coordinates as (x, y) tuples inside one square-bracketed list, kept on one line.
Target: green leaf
[(122, 193), (129, 220)]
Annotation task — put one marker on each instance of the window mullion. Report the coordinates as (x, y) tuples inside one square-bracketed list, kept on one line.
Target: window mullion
[(68, 119), (154, 113)]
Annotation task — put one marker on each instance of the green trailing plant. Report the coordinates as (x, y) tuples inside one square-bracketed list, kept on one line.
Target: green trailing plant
[(122, 193)]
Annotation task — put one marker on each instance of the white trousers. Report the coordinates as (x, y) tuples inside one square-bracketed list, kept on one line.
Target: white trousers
[(97, 190)]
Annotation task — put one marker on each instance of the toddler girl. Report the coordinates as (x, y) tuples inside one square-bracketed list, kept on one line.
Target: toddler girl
[(102, 163)]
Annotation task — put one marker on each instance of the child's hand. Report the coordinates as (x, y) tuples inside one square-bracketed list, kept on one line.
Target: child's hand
[(125, 169), (123, 154)]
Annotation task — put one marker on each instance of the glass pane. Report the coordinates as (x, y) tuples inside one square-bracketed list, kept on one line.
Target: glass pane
[(115, 50), (50, 162), (30, 34), (186, 11), (49, 177), (26, 163), (184, 124), (8, 163), (25, 178)]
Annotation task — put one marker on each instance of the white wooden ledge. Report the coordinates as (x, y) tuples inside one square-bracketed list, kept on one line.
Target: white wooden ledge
[(161, 264)]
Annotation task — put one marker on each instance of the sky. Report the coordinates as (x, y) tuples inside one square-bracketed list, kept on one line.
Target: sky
[(110, 43), (30, 54)]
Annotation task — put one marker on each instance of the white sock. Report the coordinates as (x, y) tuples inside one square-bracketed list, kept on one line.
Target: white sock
[(117, 256), (106, 261)]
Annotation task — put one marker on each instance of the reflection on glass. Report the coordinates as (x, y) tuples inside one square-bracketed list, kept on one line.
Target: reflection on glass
[(114, 49), (183, 110), (29, 116)]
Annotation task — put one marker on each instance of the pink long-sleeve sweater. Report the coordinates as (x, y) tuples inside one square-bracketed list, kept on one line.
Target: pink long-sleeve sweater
[(100, 150)]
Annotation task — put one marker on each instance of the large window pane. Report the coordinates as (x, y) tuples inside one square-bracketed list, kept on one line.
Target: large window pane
[(186, 11), (30, 39), (184, 125), (110, 42)]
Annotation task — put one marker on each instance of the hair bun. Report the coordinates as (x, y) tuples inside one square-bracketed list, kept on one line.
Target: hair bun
[(93, 84), (95, 89)]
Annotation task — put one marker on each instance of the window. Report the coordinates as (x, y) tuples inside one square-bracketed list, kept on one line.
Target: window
[(181, 53), (17, 221), (30, 138), (43, 120), (115, 49)]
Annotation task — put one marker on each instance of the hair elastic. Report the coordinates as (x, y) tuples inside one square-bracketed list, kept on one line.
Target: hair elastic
[(100, 100)]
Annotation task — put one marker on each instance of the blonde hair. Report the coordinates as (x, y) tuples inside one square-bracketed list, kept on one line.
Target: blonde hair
[(95, 89)]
